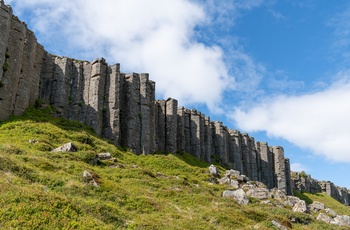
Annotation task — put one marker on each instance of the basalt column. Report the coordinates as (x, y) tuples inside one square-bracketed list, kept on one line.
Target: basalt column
[(208, 140), (28, 86), (171, 126), (160, 112), (131, 114), (180, 129), (220, 142), (5, 27), (246, 155), (196, 133), (266, 164), (237, 150), (147, 113), (77, 91), (280, 168), (12, 56), (96, 110), (289, 189), (113, 103), (254, 161)]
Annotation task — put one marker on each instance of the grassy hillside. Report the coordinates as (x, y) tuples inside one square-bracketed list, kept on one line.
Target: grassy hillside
[(44, 190)]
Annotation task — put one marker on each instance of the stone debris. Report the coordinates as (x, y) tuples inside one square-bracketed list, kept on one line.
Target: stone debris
[(69, 147), (90, 178), (278, 225)]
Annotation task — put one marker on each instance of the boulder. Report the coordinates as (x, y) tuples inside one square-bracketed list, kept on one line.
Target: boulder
[(239, 195), (341, 220), (69, 147), (301, 207), (214, 171), (104, 156), (331, 212), (316, 206), (258, 193), (324, 217), (232, 173), (278, 225), (291, 201)]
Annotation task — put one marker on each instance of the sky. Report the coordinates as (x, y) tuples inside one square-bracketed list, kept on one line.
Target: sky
[(277, 70)]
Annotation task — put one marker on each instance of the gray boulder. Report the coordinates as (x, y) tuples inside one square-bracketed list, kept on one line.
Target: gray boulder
[(69, 147), (301, 207), (104, 156), (316, 206), (239, 195), (258, 193), (214, 171), (324, 217), (331, 212), (341, 220)]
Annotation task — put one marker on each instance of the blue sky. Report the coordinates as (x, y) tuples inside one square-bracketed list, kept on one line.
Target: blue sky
[(278, 70)]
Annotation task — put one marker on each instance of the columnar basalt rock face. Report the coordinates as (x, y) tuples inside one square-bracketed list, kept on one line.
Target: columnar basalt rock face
[(280, 166), (122, 107)]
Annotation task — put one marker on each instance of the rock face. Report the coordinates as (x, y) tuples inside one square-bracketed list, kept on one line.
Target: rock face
[(122, 107)]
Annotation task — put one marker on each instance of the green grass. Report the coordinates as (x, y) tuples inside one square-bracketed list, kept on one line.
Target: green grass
[(44, 190)]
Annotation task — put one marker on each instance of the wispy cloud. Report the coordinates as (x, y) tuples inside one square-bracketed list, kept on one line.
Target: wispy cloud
[(318, 121)]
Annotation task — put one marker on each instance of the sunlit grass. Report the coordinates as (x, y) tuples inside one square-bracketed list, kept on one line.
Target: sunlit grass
[(44, 190)]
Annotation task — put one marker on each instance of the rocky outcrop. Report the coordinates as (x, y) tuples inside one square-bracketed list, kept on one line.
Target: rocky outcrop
[(305, 183)]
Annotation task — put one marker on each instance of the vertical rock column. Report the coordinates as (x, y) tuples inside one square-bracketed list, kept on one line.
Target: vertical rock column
[(220, 142), (5, 27), (160, 112), (146, 113), (171, 126), (237, 150), (187, 130), (280, 168), (61, 86), (289, 189), (28, 86), (208, 140), (131, 114), (181, 129), (195, 134), (113, 104), (77, 91), (266, 164), (254, 161), (12, 63), (246, 154)]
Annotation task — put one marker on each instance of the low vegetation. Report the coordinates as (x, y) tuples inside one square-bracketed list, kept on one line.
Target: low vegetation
[(45, 190)]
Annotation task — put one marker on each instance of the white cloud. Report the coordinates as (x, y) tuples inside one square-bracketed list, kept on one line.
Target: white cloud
[(154, 36), (318, 122)]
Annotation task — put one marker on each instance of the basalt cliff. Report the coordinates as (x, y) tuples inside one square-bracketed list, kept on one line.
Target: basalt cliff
[(122, 108)]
